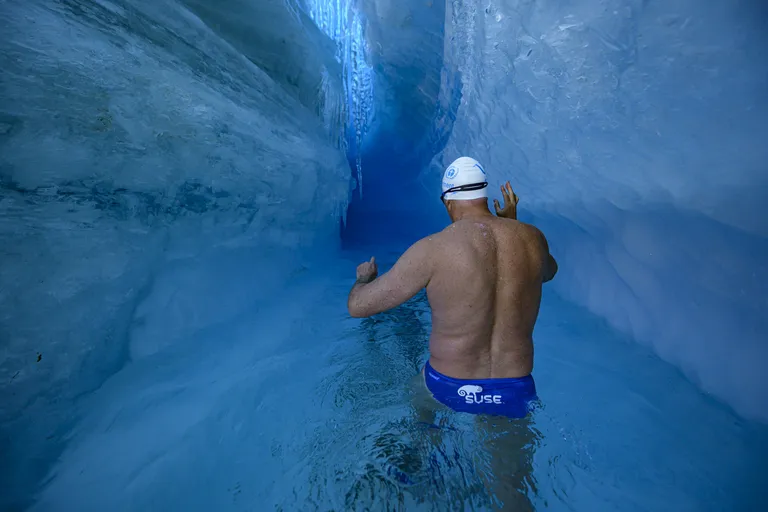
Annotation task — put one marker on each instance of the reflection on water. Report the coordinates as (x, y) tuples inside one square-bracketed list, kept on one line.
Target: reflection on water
[(403, 448)]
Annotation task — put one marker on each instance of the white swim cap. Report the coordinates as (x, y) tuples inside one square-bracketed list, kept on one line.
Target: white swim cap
[(468, 176)]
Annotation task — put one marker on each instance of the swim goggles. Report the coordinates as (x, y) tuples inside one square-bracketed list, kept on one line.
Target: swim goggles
[(464, 188)]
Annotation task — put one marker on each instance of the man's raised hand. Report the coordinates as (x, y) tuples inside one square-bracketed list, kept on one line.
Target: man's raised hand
[(509, 210)]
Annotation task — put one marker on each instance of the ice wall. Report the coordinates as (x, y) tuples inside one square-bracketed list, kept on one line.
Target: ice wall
[(341, 21), (406, 46), (634, 132), (405, 39), (162, 164)]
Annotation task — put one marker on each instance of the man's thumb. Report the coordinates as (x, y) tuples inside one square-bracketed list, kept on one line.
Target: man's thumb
[(373, 260)]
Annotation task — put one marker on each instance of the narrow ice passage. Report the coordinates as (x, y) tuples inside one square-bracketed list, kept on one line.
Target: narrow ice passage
[(186, 187)]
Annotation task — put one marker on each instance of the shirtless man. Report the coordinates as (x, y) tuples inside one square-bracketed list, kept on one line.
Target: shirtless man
[(483, 276)]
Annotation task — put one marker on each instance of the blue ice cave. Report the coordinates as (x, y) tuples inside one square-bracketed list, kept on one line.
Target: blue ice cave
[(186, 187)]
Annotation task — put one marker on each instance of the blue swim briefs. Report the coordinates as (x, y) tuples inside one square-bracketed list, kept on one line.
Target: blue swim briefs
[(497, 397)]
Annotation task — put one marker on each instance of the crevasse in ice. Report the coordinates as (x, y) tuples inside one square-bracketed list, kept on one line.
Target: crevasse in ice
[(152, 150), (340, 21)]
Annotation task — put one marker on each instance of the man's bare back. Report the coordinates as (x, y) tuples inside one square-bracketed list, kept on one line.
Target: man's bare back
[(485, 292), (483, 276)]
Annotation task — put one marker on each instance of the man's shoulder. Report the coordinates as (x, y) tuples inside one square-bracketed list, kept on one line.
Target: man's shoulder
[(531, 230), (531, 236), (434, 244), (426, 244), (522, 228), (450, 233)]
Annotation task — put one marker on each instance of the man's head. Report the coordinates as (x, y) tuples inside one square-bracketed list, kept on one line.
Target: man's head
[(465, 186)]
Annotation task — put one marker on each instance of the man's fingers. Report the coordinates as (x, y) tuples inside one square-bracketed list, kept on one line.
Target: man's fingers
[(511, 193), (496, 205)]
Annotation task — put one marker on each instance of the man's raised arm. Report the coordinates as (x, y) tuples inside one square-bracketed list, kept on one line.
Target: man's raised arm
[(371, 295)]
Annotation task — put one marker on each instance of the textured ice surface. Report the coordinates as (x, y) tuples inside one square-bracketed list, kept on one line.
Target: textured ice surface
[(343, 23), (634, 133), (167, 169), (140, 143), (406, 44)]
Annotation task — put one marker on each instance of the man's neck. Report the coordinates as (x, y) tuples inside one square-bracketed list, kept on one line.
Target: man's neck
[(471, 212)]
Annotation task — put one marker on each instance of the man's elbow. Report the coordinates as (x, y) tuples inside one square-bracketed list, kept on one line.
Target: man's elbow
[(551, 269), (357, 311)]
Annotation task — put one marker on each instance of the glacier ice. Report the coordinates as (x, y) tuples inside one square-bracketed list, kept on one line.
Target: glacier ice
[(406, 45), (342, 22), (137, 143), (172, 171), (632, 132)]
